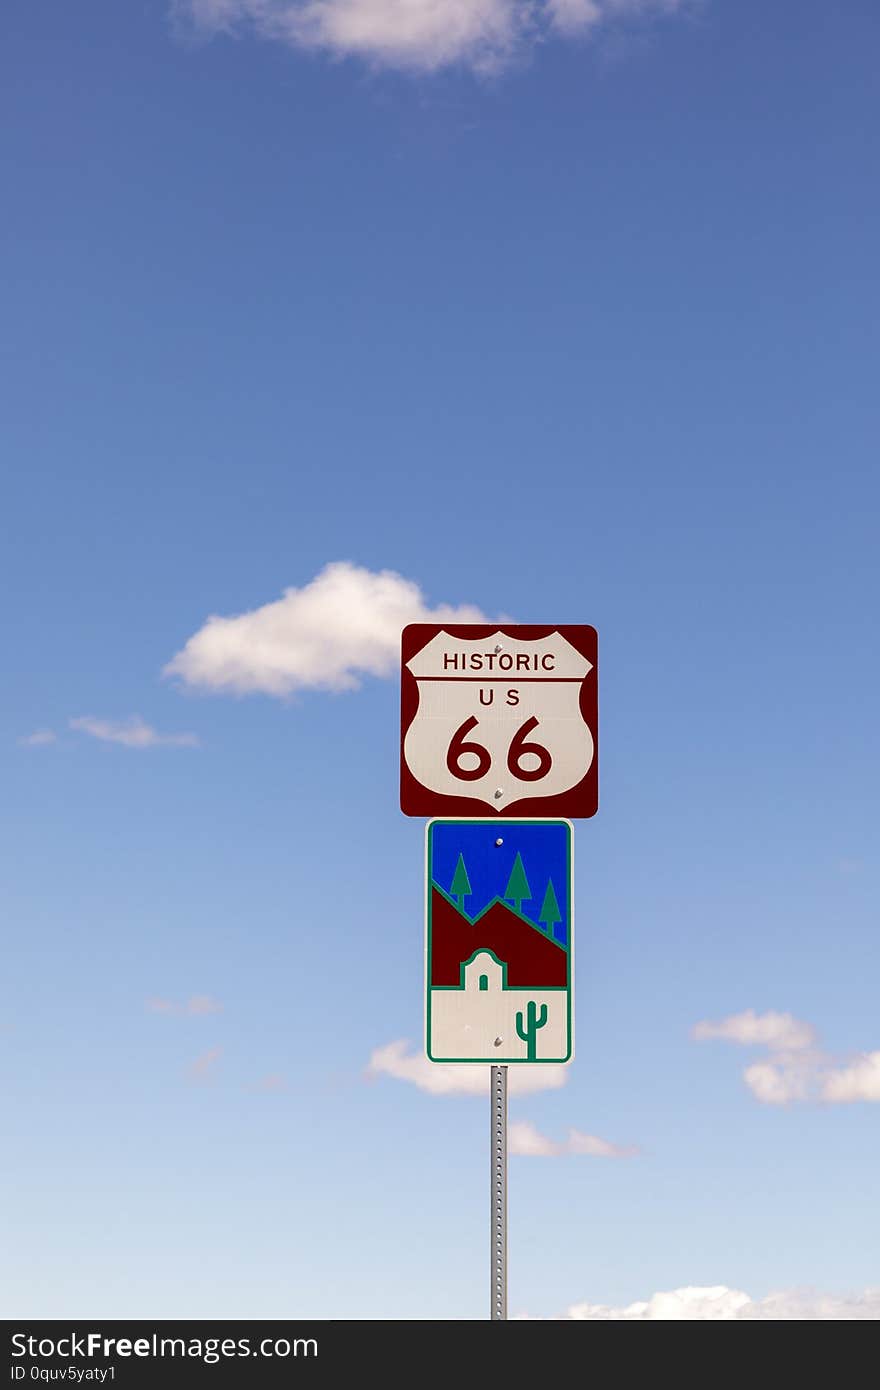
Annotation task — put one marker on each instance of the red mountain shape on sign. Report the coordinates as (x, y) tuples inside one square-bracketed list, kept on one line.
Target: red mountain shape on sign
[(534, 961)]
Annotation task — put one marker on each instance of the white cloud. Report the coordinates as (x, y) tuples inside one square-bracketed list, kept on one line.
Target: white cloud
[(797, 1069), (131, 733), (438, 1078), (858, 1079), (344, 624), (721, 1304), (197, 1005), (417, 35), (591, 1144), (38, 739), (784, 1079), (411, 33), (524, 1138), (771, 1029)]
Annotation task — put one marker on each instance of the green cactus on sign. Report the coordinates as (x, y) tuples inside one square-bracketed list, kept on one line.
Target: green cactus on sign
[(530, 1035)]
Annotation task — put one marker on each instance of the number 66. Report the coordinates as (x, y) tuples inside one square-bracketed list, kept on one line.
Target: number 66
[(519, 747)]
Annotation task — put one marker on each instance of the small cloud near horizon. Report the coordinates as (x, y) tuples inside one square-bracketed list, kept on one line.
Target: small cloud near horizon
[(796, 1068), (40, 738), (771, 1029), (524, 1138), (442, 1079), (133, 732), (720, 1303)]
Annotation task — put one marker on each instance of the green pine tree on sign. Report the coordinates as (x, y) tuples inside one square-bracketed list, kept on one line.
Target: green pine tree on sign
[(550, 914), (461, 884), (518, 885)]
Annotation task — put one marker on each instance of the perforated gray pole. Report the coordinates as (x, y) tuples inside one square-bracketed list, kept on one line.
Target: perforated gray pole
[(498, 1168)]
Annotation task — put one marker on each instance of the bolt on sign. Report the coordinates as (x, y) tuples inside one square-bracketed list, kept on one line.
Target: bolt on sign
[(499, 719), (498, 941)]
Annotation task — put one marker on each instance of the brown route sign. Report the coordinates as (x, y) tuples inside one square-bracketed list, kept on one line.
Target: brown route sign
[(500, 718)]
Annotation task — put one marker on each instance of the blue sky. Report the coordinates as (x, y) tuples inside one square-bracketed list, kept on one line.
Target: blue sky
[(570, 317)]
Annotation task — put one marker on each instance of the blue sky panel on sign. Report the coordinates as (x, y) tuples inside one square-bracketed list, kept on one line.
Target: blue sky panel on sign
[(543, 851)]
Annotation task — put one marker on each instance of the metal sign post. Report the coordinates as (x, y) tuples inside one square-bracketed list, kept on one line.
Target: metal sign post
[(498, 1180)]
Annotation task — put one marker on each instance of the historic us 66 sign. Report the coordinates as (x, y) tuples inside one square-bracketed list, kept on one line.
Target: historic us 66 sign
[(500, 719)]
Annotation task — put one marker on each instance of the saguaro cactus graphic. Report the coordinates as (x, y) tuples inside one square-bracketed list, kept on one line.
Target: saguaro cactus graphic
[(530, 1035)]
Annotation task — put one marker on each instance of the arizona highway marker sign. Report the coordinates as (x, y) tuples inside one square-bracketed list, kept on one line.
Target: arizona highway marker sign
[(499, 941), (499, 720)]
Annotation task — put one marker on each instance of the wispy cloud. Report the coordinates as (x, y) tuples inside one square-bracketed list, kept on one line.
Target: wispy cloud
[(131, 733), (343, 625), (203, 1066), (38, 739), (419, 35), (441, 1079), (524, 1138), (857, 1079), (719, 1303), (779, 1031), (797, 1068), (195, 1006)]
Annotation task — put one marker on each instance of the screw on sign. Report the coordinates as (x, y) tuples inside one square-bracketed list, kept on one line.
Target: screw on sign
[(499, 718)]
